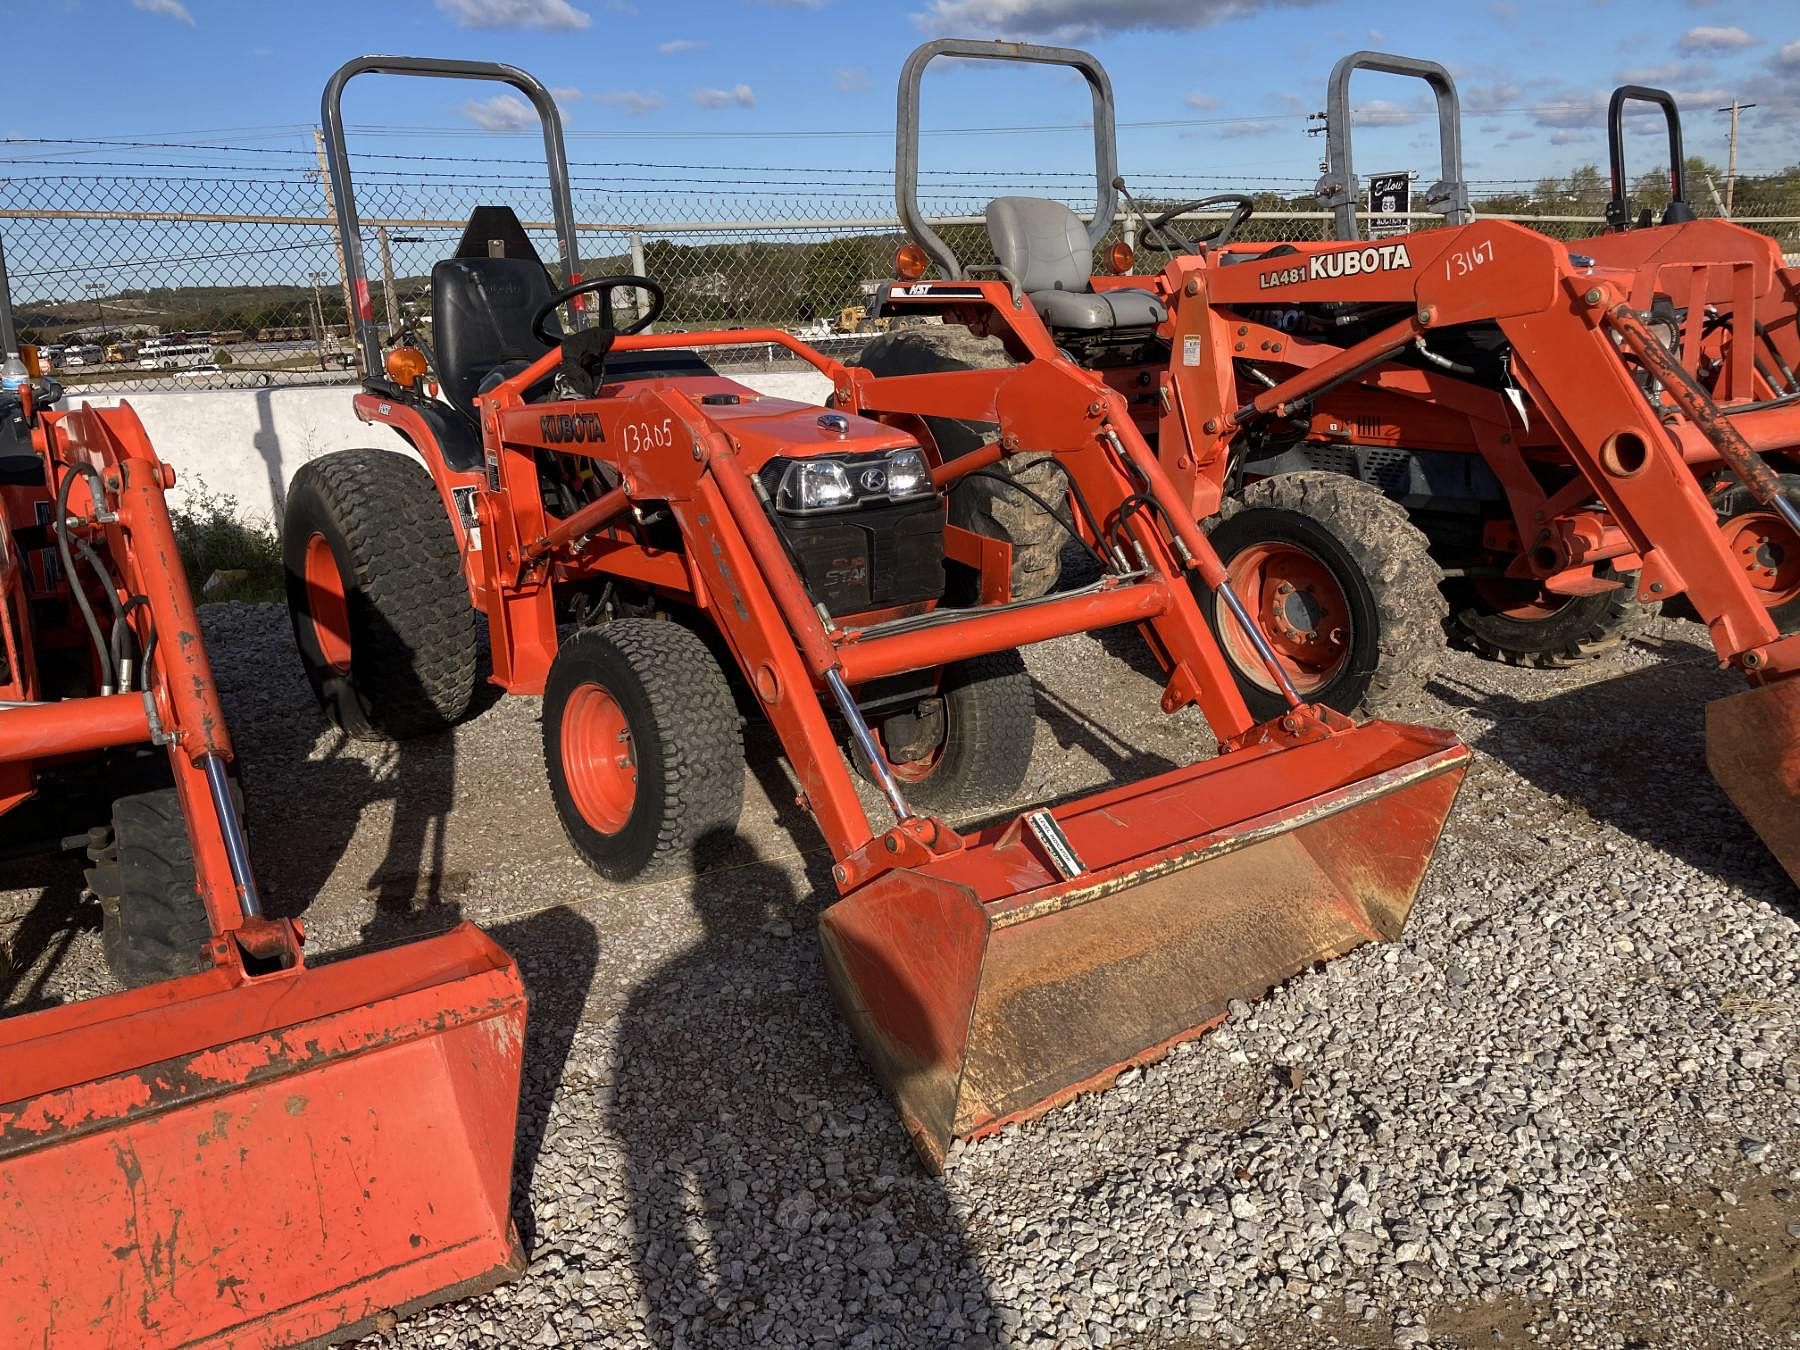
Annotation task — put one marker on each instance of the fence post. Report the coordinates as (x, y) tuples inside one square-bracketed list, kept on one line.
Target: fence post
[(337, 240), (637, 266)]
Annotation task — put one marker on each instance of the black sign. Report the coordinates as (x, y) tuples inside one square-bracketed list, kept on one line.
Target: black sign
[(1390, 198)]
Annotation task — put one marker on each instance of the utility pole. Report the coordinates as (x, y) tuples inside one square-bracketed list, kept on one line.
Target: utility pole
[(1731, 156), (387, 281), (350, 309), (318, 320)]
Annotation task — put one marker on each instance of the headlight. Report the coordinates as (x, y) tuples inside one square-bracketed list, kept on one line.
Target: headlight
[(832, 483), (814, 485)]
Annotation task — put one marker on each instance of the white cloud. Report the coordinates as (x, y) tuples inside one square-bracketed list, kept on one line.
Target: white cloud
[(1478, 100), (1378, 112), (678, 46), (1204, 102), (1667, 73), (633, 101), (549, 14), (739, 95), (502, 112), (1248, 127), (1709, 39), (169, 9), (850, 79), (1789, 56), (1078, 20)]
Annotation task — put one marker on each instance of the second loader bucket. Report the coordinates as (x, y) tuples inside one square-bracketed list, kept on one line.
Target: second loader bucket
[(253, 1162), (987, 987), (1753, 751)]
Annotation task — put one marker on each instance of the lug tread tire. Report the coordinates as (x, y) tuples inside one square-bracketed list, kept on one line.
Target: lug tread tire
[(412, 628), (1393, 557), (154, 925), (981, 504), (685, 730), (1587, 627)]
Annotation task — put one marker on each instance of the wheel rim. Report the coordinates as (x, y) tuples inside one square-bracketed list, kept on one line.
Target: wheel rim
[(1526, 601), (599, 759), (326, 606), (1763, 544), (1301, 609)]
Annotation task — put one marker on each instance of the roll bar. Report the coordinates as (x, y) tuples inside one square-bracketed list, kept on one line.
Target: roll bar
[(9, 340), (906, 157), (337, 159), (1618, 210), (1449, 196)]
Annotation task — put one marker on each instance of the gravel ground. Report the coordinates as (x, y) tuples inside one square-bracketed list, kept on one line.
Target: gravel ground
[(1561, 1110)]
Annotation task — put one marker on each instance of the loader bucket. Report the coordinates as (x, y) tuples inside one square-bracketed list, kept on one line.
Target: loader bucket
[(237, 1162), (1753, 750), (986, 988)]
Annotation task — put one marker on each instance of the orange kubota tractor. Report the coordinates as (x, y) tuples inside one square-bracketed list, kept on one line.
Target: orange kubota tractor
[(687, 527), (239, 1150), (1720, 298), (1474, 404)]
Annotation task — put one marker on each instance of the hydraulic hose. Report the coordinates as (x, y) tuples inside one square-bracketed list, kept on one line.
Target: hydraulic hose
[(102, 651)]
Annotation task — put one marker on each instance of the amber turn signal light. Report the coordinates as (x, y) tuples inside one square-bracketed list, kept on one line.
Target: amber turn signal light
[(405, 366), (1119, 258), (910, 262)]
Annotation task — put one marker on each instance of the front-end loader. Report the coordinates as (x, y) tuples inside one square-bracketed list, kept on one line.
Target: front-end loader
[(239, 1149), (653, 546), (1503, 397)]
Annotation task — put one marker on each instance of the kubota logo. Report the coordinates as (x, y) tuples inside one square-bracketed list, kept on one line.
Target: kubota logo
[(1349, 262), (570, 428)]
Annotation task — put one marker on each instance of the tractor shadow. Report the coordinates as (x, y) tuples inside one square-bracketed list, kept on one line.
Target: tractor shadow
[(1630, 751), (771, 1193), (34, 950)]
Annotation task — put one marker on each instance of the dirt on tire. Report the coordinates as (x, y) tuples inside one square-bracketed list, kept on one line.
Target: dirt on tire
[(1391, 556)]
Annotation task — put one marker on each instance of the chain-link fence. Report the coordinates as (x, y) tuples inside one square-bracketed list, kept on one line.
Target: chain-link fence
[(227, 276)]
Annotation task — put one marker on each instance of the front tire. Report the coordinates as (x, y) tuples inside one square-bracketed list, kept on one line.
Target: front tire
[(985, 717), (1343, 585), (1534, 628), (642, 746), (375, 590), (1763, 544), (153, 924)]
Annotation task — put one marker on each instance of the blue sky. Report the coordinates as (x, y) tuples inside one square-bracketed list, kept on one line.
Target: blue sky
[(1225, 83)]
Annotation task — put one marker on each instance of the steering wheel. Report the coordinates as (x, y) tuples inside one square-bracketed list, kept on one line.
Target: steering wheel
[(1161, 236), (604, 288)]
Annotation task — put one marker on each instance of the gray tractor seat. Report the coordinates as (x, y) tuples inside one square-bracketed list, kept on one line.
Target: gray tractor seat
[(1045, 245)]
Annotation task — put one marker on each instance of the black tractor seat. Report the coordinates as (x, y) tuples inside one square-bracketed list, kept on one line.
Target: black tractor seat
[(1044, 244), (483, 300)]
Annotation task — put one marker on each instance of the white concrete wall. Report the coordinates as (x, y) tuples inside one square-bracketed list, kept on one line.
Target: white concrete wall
[(247, 443)]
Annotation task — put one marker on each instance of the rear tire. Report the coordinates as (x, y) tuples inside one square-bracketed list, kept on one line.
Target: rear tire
[(642, 745), (982, 504), (153, 923), (989, 712), (1761, 542), (1580, 629), (1361, 573), (375, 590)]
